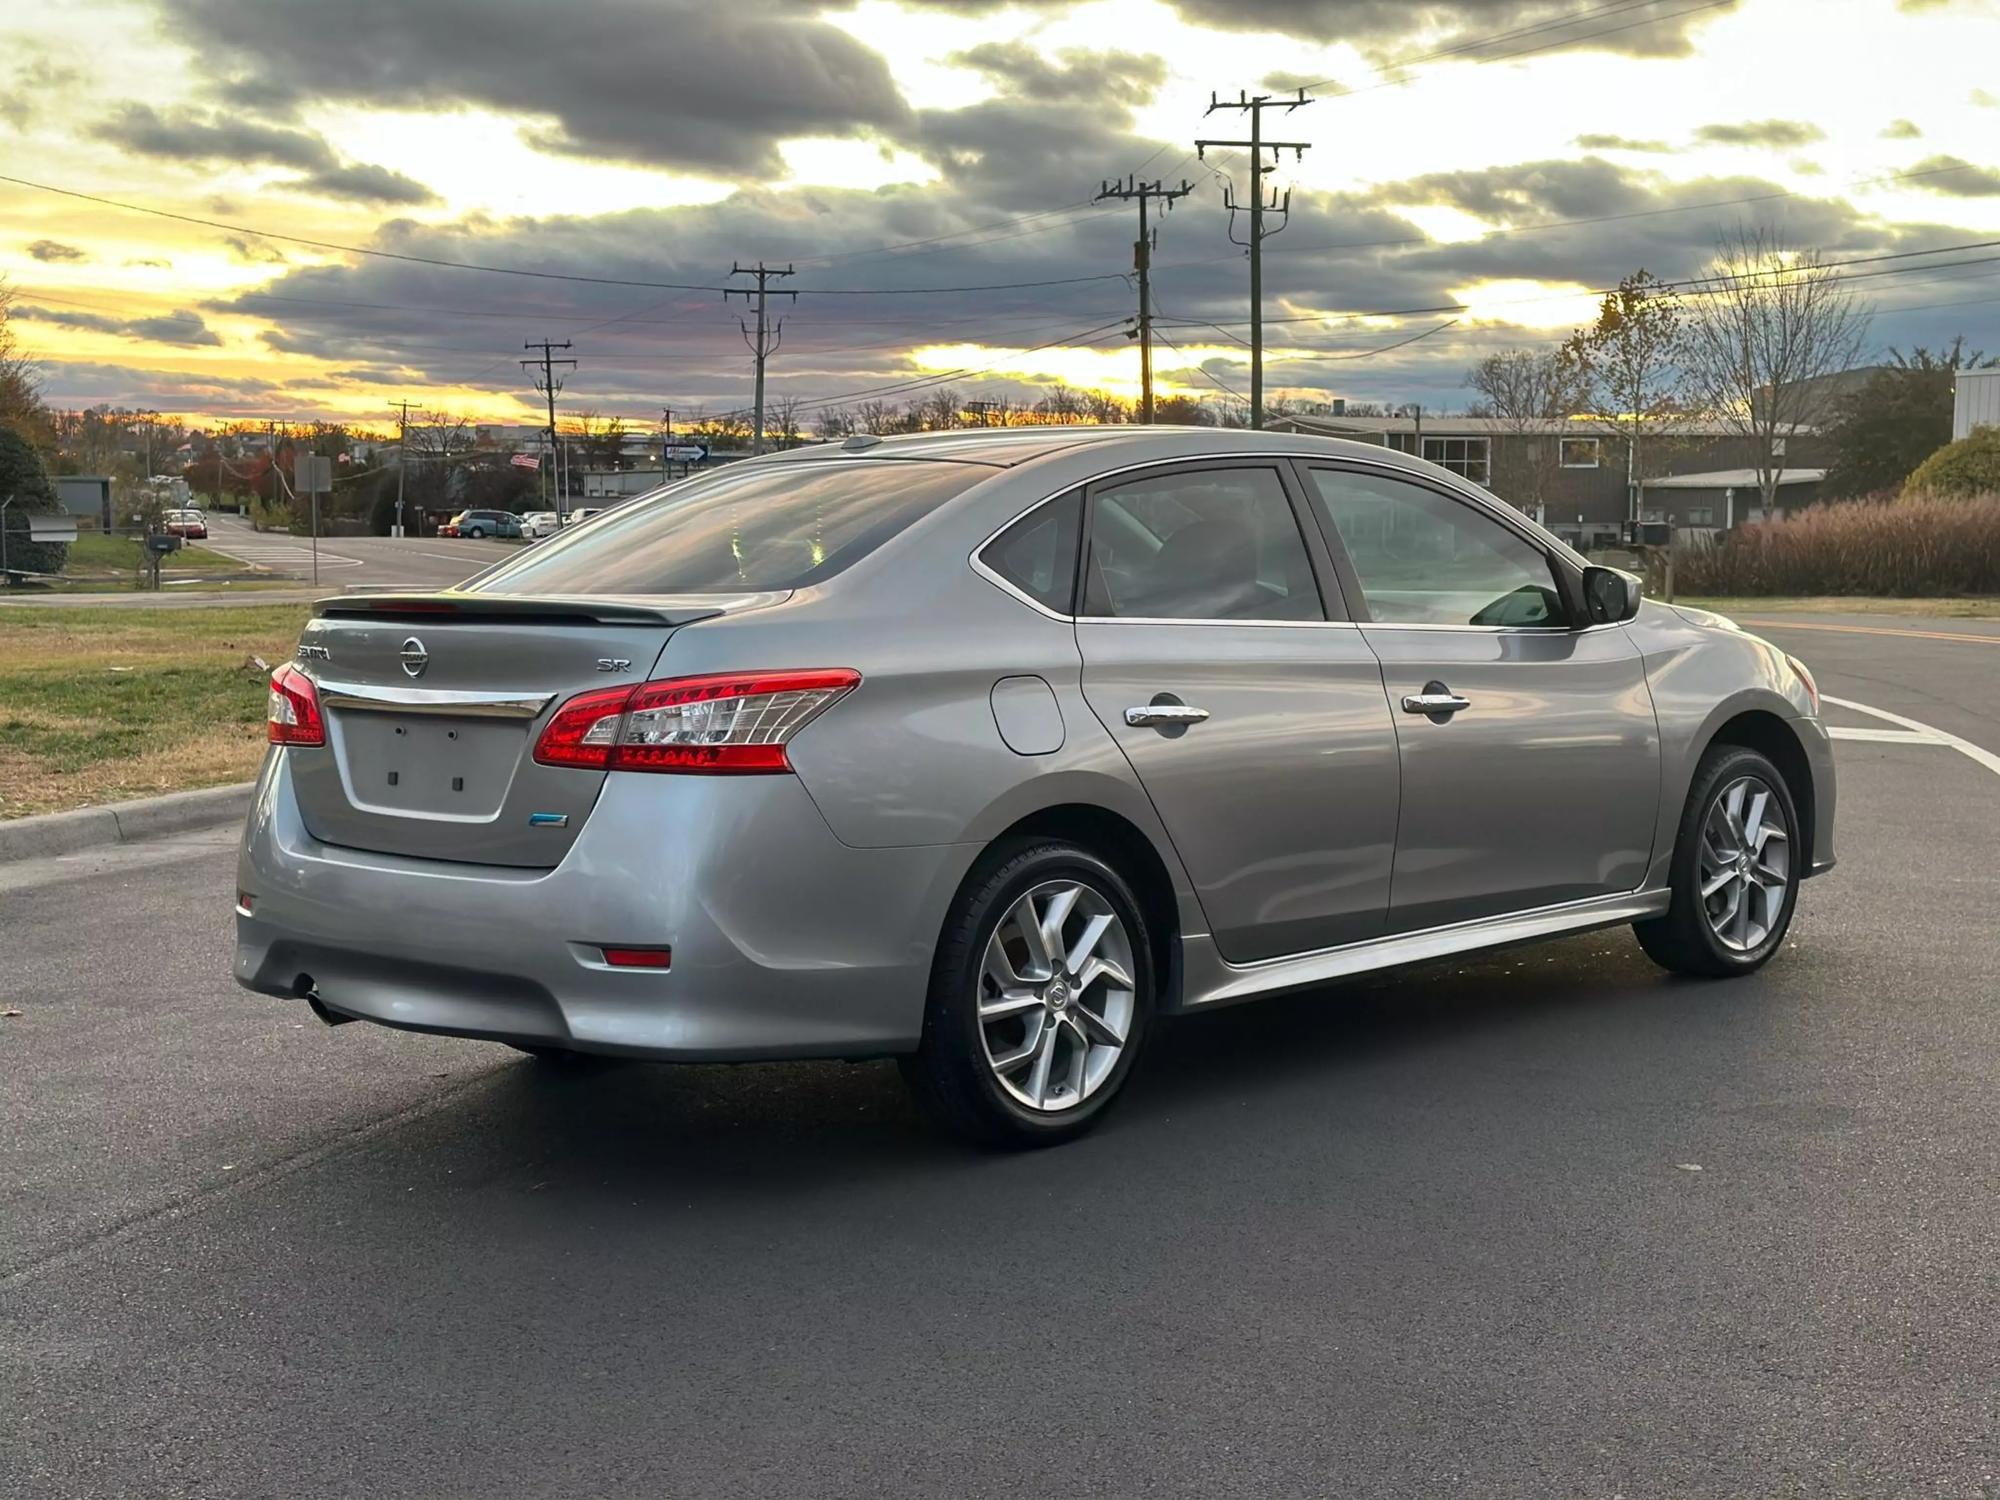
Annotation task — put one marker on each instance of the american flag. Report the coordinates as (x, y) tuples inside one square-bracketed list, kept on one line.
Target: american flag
[(526, 460)]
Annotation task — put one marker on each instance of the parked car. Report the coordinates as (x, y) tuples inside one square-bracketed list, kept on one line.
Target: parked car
[(990, 752), (537, 524), (582, 513), (186, 523), (482, 523)]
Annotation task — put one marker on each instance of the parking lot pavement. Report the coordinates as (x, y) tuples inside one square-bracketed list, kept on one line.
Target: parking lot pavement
[(414, 562), (1546, 1223)]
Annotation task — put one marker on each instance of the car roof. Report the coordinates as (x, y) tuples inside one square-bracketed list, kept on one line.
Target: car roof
[(1006, 447)]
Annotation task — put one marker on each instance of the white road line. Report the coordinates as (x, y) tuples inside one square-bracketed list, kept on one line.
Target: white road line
[(1883, 736), (1964, 747)]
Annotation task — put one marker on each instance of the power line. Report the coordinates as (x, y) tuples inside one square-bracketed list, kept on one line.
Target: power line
[(1254, 106)]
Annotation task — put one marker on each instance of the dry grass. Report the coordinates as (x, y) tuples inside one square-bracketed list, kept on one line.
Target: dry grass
[(1969, 608), (105, 705), (1918, 547)]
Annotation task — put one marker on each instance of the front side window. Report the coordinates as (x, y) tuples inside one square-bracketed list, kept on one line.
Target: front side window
[(760, 526), (1580, 453), (1464, 456), (1425, 559), (1199, 544), (1037, 554)]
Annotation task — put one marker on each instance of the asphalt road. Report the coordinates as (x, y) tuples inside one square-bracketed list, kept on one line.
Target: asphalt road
[(1550, 1223), (372, 561)]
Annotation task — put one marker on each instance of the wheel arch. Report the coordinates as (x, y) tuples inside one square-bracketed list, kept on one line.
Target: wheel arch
[(1124, 845), (1773, 737)]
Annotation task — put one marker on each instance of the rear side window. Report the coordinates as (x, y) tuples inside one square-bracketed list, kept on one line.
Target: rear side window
[(1037, 554), (764, 526), (1199, 544)]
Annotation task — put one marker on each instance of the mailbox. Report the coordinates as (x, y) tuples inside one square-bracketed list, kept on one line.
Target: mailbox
[(162, 542), (1648, 533)]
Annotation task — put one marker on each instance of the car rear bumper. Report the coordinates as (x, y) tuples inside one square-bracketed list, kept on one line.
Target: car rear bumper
[(786, 942)]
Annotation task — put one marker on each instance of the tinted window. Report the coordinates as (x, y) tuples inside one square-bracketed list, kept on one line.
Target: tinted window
[(763, 526), (1037, 554), (1202, 544), (1425, 559)]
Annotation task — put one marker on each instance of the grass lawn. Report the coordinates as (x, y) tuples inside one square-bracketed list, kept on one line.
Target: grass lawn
[(1975, 607), (100, 564), (102, 705)]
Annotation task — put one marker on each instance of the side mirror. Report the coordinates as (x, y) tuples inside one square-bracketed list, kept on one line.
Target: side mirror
[(1609, 595)]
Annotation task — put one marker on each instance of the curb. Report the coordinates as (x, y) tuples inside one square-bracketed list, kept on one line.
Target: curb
[(123, 822)]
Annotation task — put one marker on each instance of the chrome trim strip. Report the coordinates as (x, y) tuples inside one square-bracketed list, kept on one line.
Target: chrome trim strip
[(1473, 494), (454, 703), (1227, 983)]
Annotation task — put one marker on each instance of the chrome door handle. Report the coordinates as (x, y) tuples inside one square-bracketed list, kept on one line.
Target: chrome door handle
[(1434, 703), (1165, 713)]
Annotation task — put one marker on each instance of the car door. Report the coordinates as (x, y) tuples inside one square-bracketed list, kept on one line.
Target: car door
[(1252, 712), (1530, 752)]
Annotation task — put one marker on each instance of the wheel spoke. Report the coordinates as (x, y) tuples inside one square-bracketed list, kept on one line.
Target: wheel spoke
[(1098, 1028), (1753, 823), (1716, 882), (1743, 914), (1086, 943), (1045, 1055), (1102, 968), (1009, 1003), (1006, 1062), (1079, 1066), (1000, 968)]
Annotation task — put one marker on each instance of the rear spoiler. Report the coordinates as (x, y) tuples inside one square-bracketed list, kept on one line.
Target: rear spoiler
[(456, 607)]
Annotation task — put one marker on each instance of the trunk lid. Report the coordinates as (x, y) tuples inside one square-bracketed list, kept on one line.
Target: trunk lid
[(433, 704)]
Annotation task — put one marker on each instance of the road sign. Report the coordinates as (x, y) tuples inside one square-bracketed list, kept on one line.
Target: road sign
[(685, 453), (312, 474)]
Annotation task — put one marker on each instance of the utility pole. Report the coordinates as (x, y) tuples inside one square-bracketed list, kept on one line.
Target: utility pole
[(1254, 106), (764, 343), (402, 451), (548, 382), (1142, 262), (666, 442), (984, 410)]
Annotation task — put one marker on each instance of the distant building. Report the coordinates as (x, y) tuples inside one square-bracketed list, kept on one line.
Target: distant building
[(1975, 401), (1585, 498)]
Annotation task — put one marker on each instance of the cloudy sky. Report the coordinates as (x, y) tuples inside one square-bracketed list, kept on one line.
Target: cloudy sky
[(928, 166)]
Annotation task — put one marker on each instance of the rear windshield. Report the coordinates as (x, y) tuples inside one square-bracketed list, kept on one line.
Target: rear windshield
[(775, 526)]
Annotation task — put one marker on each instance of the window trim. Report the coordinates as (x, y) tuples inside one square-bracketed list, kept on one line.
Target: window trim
[(1563, 576), (1346, 583), (1485, 454), (1327, 584), (1596, 452)]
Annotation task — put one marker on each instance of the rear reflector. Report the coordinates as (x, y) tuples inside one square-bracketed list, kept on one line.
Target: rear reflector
[(292, 715), (639, 958), (725, 723)]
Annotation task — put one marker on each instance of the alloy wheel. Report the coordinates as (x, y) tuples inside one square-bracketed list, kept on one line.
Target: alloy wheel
[(1056, 997), (1745, 864)]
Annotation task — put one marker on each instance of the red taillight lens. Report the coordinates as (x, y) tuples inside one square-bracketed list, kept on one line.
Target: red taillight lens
[(584, 730), (727, 723), (639, 958), (291, 715)]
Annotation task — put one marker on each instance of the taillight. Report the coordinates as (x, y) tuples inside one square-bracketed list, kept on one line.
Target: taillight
[(291, 716), (726, 723)]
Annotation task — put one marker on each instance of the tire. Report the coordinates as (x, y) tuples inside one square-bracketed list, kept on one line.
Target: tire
[(477, 533), (1737, 928), (1091, 1026)]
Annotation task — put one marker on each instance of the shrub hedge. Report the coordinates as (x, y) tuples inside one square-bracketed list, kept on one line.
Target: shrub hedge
[(1918, 546)]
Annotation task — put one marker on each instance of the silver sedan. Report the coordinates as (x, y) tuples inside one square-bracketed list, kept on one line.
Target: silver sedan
[(989, 751)]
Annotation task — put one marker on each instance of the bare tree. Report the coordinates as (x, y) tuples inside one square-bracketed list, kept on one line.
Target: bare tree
[(1629, 365), (879, 417), (1060, 404), (834, 423), (783, 419), (1526, 391), (20, 385), (1106, 409), (940, 411), (1760, 343)]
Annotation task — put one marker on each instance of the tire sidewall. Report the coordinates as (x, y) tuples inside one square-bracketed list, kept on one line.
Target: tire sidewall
[(1717, 771), (952, 1030)]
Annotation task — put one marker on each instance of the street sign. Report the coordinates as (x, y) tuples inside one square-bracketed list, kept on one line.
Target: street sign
[(685, 453), (312, 474)]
